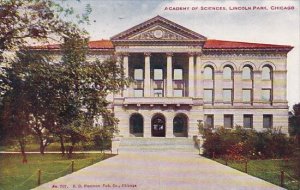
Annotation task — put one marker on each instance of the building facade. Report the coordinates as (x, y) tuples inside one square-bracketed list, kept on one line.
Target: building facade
[(181, 79)]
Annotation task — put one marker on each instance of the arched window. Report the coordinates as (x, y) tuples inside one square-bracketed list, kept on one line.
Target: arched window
[(136, 124), (180, 125), (247, 72), (158, 125), (266, 73), (208, 73), (228, 73)]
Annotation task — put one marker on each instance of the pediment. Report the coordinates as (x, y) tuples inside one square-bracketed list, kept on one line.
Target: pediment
[(158, 29)]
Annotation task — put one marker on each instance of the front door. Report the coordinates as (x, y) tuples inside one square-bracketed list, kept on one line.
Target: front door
[(158, 126)]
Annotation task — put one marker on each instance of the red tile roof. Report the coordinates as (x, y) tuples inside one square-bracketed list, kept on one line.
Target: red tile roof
[(101, 44), (209, 44), (220, 44)]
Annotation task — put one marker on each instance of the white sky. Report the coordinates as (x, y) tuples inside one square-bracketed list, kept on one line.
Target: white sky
[(263, 26)]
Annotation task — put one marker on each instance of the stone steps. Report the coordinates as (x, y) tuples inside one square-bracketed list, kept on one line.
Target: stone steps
[(157, 144)]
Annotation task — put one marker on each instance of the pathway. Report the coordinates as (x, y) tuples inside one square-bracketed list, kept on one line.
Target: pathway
[(163, 170)]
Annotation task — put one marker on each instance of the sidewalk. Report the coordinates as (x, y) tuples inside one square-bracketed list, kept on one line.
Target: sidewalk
[(158, 170)]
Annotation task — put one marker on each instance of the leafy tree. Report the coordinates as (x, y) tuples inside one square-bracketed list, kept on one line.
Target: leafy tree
[(16, 106), (294, 123), (86, 86), (23, 22)]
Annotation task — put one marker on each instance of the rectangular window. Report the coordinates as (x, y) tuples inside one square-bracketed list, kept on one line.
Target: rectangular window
[(209, 121), (208, 95), (178, 93), (158, 74), (247, 95), (138, 74), (178, 74), (227, 95), (248, 121), (266, 95), (267, 121), (138, 92), (158, 92), (228, 121)]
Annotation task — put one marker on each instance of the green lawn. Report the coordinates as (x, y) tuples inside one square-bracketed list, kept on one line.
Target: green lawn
[(34, 147), (16, 175), (269, 170)]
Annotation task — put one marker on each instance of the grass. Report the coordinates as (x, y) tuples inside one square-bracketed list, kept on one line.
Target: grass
[(34, 147), (269, 170), (15, 175)]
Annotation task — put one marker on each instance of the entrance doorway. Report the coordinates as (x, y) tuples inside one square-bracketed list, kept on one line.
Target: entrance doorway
[(136, 125), (180, 125), (158, 126)]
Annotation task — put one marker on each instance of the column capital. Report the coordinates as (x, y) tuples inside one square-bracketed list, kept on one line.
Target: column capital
[(198, 53), (170, 54), (122, 54), (191, 53), (147, 54)]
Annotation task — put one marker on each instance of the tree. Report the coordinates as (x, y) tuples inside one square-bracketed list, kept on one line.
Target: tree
[(21, 24), (16, 105), (294, 123), (84, 91)]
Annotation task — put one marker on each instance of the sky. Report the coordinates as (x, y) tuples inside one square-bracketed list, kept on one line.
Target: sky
[(110, 17)]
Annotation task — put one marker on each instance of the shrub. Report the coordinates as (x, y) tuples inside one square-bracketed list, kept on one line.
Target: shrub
[(241, 144)]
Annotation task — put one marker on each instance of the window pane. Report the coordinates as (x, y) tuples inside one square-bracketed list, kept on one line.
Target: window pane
[(138, 93), (266, 73), (208, 95), (209, 121), (228, 121), (248, 121), (247, 95), (267, 121), (266, 95), (227, 73), (158, 74), (227, 95), (178, 93), (138, 74), (208, 73), (158, 93), (247, 73), (178, 74)]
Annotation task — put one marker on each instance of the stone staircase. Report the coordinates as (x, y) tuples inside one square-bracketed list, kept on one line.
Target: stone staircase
[(157, 144)]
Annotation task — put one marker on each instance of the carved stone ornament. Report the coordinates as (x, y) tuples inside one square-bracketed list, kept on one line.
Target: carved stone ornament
[(158, 33)]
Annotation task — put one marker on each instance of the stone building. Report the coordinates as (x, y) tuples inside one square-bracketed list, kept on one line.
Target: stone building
[(182, 78)]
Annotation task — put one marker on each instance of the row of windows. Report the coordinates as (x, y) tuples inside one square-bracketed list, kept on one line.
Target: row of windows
[(247, 73), (158, 74), (228, 121), (247, 95)]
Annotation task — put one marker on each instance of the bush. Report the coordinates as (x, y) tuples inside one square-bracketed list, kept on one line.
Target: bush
[(241, 144)]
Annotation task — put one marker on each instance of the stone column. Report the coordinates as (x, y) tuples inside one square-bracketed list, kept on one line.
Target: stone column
[(119, 62), (126, 71), (169, 75), (191, 75), (147, 81), (199, 81)]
